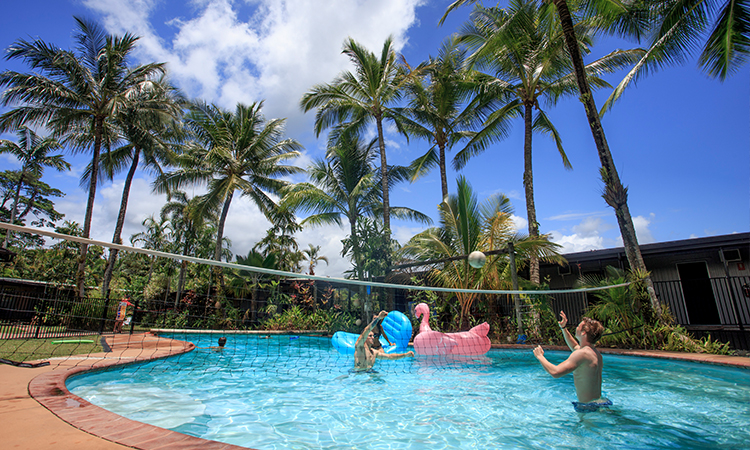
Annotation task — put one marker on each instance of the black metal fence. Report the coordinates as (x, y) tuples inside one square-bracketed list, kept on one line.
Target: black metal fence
[(23, 315)]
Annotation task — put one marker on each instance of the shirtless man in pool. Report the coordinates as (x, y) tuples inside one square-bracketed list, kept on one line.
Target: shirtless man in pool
[(585, 362), (364, 352)]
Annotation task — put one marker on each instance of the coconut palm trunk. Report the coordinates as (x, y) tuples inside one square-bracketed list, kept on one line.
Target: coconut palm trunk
[(81, 272), (219, 239), (384, 179), (443, 172), (16, 198), (117, 237), (616, 195), (528, 184)]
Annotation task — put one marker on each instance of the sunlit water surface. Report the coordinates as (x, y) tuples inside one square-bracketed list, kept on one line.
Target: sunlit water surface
[(299, 393)]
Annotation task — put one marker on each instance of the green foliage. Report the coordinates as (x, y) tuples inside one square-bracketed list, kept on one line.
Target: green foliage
[(629, 321), (296, 318), (374, 249)]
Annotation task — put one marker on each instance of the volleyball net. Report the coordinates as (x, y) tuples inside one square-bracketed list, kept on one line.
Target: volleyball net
[(265, 320)]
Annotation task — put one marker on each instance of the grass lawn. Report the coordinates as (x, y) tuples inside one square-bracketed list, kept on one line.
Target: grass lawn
[(34, 349)]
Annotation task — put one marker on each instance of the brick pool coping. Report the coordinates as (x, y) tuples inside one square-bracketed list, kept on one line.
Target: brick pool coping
[(50, 391)]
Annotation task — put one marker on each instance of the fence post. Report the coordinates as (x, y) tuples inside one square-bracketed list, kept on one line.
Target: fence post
[(104, 312), (133, 317)]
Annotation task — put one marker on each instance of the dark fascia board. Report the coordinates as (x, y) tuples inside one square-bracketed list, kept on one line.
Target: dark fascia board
[(21, 281), (726, 241)]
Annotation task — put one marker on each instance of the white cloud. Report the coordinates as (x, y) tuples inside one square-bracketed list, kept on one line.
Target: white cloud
[(591, 226), (277, 54), (589, 234), (575, 243), (227, 52), (641, 228), (521, 223)]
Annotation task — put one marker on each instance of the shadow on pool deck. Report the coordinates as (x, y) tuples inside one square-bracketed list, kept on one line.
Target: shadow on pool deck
[(37, 411)]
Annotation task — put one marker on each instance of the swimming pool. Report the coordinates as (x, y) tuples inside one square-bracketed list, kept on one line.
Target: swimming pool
[(282, 393)]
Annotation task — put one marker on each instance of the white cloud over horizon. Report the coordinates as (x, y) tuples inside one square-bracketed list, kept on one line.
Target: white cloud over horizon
[(276, 54), (227, 52)]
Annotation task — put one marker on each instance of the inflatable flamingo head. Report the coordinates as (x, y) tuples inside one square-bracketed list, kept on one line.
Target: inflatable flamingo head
[(422, 309)]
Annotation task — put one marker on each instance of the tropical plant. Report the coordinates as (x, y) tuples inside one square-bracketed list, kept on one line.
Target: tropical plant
[(360, 98), (156, 237), (373, 249), (33, 152), (522, 51), (231, 152), (188, 227), (676, 28), (615, 194), (344, 185), (34, 198), (467, 226), (280, 240), (313, 257), (444, 109), (148, 123), (630, 322), (239, 281), (76, 94)]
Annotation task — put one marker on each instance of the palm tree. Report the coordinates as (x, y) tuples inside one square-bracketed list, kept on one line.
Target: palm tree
[(524, 52), (467, 226), (444, 110), (677, 28), (188, 225), (344, 185), (313, 256), (76, 95), (615, 194), (156, 237), (238, 151), (280, 240), (33, 152), (255, 258), (146, 123), (361, 98)]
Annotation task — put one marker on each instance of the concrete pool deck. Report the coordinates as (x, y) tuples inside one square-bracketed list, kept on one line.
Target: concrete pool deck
[(37, 411)]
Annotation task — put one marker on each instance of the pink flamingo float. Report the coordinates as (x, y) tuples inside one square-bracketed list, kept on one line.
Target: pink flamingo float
[(428, 342)]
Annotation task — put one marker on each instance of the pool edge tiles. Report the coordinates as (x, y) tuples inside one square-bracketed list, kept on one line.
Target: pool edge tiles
[(49, 389), (742, 362)]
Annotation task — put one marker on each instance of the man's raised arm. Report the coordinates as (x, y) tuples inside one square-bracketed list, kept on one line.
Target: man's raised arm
[(572, 342), (363, 336)]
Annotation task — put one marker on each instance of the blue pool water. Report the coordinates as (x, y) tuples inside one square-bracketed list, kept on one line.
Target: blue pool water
[(299, 393)]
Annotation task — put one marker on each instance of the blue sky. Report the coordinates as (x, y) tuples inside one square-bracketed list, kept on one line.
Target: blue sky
[(679, 139)]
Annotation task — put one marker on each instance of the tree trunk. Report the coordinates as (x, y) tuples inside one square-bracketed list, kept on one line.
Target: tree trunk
[(615, 193), (528, 184), (81, 273), (117, 237), (443, 174), (16, 197), (355, 247), (384, 179), (219, 238)]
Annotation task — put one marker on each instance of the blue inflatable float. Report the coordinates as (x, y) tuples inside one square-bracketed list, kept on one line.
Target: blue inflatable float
[(396, 325)]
